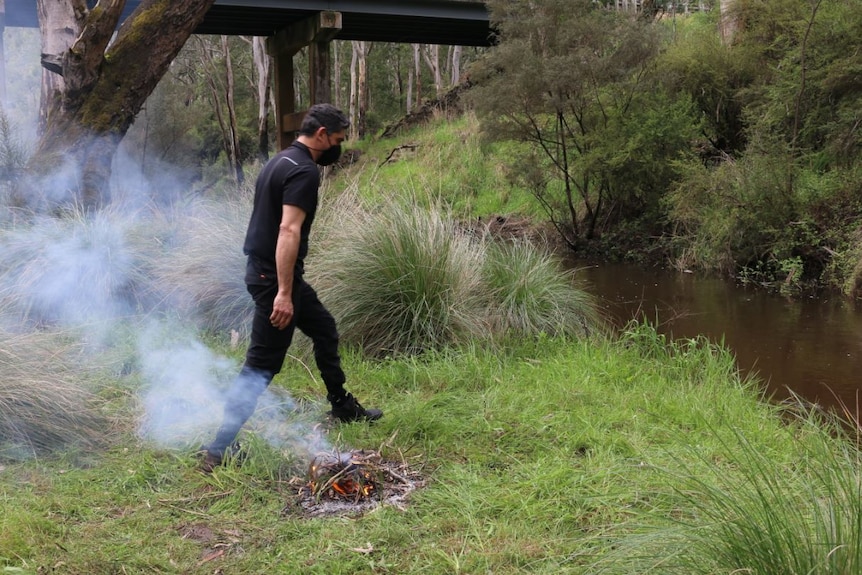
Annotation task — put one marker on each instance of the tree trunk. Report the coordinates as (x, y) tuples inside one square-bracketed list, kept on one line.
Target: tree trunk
[(456, 65), (59, 25), (233, 128), (354, 59), (103, 87), (221, 90), (728, 23), (263, 66), (2, 54), (417, 74), (336, 73), (432, 58), (362, 93)]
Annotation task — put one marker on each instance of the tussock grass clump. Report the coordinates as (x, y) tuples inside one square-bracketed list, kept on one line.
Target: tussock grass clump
[(401, 279), (751, 510), (45, 405), (202, 272), (530, 293), (771, 517)]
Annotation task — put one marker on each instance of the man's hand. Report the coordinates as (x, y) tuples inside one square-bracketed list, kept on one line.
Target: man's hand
[(282, 311)]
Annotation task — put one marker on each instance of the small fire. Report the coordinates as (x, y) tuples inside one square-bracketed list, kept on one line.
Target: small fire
[(346, 475)]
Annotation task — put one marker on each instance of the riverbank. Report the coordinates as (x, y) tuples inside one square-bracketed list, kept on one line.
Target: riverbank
[(542, 457), (446, 160)]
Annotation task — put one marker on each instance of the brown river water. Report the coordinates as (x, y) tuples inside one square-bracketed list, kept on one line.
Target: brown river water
[(810, 346)]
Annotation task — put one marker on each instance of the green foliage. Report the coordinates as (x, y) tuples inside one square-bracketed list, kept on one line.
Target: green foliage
[(442, 161), (808, 92), (577, 83), (758, 219), (712, 75)]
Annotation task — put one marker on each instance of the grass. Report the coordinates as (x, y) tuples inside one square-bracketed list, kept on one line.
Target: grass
[(47, 402), (201, 271), (445, 161), (402, 278), (546, 452), (754, 511), (540, 458)]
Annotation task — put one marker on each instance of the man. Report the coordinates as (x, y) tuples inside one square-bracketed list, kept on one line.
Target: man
[(276, 243)]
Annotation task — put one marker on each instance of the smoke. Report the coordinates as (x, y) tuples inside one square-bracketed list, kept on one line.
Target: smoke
[(187, 385), (102, 277), (182, 399)]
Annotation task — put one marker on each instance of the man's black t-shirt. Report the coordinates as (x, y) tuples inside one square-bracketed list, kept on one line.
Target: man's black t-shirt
[(291, 177)]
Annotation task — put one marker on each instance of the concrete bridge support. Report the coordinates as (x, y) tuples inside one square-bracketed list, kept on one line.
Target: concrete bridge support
[(315, 32)]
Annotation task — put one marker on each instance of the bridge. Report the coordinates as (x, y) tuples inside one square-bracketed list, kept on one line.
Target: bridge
[(446, 22), (291, 25)]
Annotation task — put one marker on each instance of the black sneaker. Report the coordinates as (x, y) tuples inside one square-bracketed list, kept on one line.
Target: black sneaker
[(347, 409), (212, 459)]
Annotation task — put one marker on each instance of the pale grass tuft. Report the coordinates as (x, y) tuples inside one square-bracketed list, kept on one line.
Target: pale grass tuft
[(45, 405)]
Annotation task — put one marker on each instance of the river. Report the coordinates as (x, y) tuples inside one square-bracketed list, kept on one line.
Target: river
[(810, 346)]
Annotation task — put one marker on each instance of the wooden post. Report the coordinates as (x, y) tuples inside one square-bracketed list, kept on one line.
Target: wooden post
[(315, 32), (319, 58), (285, 97)]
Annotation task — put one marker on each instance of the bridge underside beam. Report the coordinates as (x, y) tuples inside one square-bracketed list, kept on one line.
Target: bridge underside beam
[(315, 32), (444, 22)]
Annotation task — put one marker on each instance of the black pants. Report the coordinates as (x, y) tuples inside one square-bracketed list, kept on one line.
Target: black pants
[(267, 350)]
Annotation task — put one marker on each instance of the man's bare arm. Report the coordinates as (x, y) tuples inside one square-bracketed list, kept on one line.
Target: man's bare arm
[(286, 252)]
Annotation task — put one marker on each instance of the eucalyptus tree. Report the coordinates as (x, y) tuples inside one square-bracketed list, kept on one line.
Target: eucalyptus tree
[(99, 82)]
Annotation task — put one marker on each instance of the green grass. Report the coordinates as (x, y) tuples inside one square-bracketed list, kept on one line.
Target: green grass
[(539, 458), (446, 161)]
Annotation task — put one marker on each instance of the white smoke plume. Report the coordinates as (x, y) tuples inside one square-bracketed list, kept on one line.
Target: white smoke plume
[(98, 276)]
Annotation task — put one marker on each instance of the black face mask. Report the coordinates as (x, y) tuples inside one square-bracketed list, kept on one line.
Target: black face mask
[(330, 156)]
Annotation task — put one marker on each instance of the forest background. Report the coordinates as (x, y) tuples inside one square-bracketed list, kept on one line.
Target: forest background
[(721, 140)]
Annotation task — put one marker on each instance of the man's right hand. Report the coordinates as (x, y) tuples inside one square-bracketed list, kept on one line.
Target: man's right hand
[(282, 311)]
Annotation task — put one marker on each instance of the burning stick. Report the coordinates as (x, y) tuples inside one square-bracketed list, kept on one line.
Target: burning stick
[(352, 475)]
